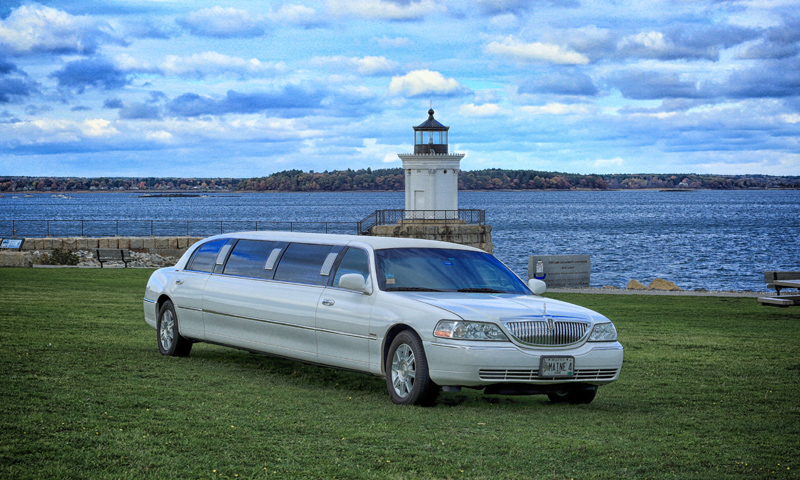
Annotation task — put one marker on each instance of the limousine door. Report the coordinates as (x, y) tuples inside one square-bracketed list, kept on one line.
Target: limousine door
[(261, 315), (264, 301), (187, 291), (343, 318)]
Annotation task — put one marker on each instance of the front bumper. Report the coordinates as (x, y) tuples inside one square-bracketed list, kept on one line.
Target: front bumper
[(475, 364)]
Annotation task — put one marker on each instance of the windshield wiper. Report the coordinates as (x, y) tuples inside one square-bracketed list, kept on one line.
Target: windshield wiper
[(411, 289), (480, 290)]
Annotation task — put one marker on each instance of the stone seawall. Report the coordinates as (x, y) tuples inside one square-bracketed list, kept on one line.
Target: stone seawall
[(154, 252), (479, 236), (147, 251)]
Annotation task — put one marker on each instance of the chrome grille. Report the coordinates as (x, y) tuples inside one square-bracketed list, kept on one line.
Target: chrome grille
[(548, 331)]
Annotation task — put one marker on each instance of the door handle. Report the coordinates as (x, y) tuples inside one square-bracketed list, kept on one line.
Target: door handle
[(179, 281), (328, 302)]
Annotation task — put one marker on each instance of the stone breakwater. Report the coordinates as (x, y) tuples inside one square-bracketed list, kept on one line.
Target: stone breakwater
[(151, 252)]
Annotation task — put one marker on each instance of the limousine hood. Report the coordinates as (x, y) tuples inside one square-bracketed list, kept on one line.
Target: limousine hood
[(492, 307)]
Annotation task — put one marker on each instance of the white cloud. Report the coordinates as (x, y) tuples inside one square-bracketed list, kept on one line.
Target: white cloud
[(159, 136), (35, 28), (203, 64), (558, 109), (372, 150), (98, 127), (384, 9), (523, 52), (364, 65), (646, 44), (606, 164), (295, 15), (129, 64), (422, 82), (504, 21), (791, 118), (485, 110), (395, 42), (223, 23)]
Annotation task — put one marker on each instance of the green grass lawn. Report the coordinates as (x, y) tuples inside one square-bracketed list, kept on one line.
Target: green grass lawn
[(709, 389)]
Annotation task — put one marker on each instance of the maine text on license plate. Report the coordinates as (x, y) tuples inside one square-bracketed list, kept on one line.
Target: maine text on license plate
[(554, 367)]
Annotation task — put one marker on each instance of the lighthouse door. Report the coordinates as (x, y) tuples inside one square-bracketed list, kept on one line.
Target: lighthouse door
[(419, 199)]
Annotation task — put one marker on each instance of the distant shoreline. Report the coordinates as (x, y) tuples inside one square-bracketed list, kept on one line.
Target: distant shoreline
[(182, 193)]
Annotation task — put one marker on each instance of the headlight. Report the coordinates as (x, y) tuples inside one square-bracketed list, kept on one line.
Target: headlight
[(603, 332), (468, 330)]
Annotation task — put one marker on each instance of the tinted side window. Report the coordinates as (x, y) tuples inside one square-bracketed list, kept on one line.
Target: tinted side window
[(205, 257), (302, 263), (249, 258), (354, 261)]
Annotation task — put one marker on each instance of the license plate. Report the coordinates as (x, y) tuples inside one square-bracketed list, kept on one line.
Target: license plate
[(556, 367)]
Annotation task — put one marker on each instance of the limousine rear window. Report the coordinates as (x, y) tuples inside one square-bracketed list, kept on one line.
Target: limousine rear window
[(248, 257), (204, 258), (302, 263)]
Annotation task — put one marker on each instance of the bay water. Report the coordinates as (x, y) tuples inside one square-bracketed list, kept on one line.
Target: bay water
[(713, 240)]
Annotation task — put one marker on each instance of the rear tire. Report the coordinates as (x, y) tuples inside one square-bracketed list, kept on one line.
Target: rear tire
[(407, 376), (577, 395), (170, 341)]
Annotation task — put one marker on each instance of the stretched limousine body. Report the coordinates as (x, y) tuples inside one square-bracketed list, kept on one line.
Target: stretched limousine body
[(425, 315)]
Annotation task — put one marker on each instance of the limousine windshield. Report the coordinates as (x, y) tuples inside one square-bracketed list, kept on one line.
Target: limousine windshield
[(444, 270)]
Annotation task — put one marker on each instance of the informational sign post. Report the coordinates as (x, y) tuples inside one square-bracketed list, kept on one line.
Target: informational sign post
[(11, 243), (561, 271)]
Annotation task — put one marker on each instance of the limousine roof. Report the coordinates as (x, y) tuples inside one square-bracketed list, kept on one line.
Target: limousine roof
[(376, 243)]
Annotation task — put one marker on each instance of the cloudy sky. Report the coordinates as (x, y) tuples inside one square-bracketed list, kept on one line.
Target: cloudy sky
[(248, 88)]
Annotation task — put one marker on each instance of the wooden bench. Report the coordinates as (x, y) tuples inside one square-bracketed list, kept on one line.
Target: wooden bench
[(778, 281), (113, 255)]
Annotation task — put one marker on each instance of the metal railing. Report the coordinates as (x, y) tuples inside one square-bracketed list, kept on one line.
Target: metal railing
[(392, 217), (159, 228)]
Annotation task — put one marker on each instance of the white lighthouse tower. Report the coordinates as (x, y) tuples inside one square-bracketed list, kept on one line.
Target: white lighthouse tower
[(431, 172), (431, 211)]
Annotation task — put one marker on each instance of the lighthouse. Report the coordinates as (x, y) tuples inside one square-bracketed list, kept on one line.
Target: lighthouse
[(431, 172), (431, 209)]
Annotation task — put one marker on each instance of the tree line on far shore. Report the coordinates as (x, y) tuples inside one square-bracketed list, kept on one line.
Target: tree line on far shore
[(392, 179)]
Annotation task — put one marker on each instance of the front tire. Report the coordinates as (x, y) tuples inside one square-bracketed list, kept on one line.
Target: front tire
[(576, 395), (170, 341), (407, 376)]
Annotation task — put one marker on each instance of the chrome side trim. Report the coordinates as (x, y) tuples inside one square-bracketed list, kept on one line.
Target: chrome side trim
[(346, 334), (148, 300), (194, 309), (293, 325)]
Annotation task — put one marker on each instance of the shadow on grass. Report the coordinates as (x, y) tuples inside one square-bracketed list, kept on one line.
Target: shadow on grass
[(303, 375)]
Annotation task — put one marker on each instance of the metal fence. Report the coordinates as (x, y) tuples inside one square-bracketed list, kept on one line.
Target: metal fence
[(391, 217), (159, 228)]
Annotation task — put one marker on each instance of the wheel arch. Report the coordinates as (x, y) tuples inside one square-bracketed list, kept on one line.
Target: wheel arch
[(162, 299), (389, 338)]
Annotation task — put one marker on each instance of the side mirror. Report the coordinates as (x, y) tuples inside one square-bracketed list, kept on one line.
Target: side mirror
[(354, 281), (537, 286)]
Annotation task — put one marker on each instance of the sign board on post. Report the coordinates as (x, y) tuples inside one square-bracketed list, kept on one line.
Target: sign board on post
[(11, 243), (561, 271)]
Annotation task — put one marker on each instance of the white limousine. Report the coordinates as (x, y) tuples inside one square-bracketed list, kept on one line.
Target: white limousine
[(425, 315)]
